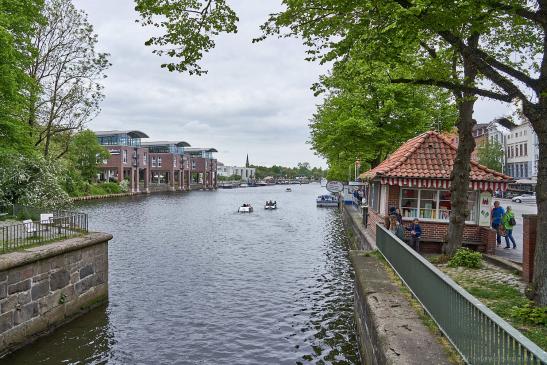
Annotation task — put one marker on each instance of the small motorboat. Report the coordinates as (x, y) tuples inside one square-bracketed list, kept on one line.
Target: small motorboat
[(288, 190), (327, 201), (270, 205), (245, 208)]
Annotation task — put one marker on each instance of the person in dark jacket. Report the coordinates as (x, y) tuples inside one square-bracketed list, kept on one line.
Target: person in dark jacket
[(415, 233), (496, 215)]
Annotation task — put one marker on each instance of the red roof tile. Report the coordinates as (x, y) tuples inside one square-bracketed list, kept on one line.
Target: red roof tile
[(429, 155)]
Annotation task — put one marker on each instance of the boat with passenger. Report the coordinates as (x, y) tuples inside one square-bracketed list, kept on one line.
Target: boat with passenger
[(327, 201), (245, 208), (270, 205)]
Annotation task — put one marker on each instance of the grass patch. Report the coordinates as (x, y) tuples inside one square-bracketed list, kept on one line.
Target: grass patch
[(513, 306)]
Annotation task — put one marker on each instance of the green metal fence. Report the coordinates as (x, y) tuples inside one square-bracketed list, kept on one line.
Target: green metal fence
[(480, 336)]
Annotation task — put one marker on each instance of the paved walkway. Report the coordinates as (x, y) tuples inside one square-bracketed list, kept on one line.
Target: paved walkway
[(519, 209), (488, 272)]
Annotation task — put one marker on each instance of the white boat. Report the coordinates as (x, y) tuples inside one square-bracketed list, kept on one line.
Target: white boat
[(327, 201), (244, 185), (270, 206), (288, 190), (245, 208)]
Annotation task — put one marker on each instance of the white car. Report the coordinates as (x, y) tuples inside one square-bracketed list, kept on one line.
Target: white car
[(525, 198)]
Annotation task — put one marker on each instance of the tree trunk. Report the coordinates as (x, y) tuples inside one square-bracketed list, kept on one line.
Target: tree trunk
[(538, 117), (460, 176), (462, 165), (540, 259)]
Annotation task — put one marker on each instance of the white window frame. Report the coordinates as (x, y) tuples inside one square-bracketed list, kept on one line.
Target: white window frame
[(159, 161), (124, 156), (437, 209)]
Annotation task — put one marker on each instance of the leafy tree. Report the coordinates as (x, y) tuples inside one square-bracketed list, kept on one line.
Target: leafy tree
[(85, 154), (30, 180), (68, 70), (17, 24), (189, 25), (490, 154)]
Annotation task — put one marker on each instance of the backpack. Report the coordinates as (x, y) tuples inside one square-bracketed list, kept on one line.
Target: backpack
[(512, 221)]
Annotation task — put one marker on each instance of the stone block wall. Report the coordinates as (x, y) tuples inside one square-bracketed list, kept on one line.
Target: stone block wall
[(44, 287)]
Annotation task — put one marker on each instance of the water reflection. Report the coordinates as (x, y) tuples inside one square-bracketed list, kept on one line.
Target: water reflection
[(194, 282)]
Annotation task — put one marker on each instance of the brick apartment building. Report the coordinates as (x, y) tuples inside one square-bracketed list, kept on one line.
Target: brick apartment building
[(162, 165)]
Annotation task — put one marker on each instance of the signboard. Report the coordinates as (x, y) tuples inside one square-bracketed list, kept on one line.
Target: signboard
[(485, 206), (335, 186)]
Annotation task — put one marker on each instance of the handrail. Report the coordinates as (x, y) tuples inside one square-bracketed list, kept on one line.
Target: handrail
[(478, 334)]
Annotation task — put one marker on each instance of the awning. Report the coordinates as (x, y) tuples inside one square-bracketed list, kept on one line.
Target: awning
[(442, 184)]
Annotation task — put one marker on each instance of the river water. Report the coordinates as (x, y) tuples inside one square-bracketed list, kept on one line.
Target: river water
[(193, 282)]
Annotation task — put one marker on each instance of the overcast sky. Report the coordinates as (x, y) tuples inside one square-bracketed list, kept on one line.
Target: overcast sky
[(256, 98)]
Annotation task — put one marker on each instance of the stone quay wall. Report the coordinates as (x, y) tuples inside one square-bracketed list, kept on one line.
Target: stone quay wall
[(43, 287)]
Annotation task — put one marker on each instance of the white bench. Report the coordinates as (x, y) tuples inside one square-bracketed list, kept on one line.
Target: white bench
[(30, 227)]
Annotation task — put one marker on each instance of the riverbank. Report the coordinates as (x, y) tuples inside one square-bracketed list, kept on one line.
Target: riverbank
[(389, 327)]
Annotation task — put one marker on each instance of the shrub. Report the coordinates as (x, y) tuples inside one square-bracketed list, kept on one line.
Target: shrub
[(531, 314), (466, 258), (124, 186)]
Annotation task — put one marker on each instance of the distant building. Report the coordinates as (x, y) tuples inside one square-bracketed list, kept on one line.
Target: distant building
[(172, 165), (522, 152), (246, 173)]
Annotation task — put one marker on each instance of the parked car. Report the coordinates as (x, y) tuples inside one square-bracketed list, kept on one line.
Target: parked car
[(524, 198)]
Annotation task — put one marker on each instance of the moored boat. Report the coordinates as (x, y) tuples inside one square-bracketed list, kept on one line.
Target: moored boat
[(288, 190), (327, 201)]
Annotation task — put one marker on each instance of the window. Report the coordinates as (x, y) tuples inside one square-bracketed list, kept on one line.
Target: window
[(154, 162), (445, 206), (525, 167), (174, 161), (526, 149), (144, 158), (193, 165), (409, 203), (124, 154), (521, 149), (428, 204), (472, 205), (433, 204), (508, 152), (512, 151), (159, 161), (375, 196)]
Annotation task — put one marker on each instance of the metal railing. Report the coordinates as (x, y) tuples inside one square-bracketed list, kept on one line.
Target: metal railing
[(478, 334), (39, 226)]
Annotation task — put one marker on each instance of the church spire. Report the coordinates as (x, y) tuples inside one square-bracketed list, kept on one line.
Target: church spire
[(247, 162)]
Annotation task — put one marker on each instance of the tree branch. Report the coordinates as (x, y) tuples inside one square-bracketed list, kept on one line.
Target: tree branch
[(455, 87)]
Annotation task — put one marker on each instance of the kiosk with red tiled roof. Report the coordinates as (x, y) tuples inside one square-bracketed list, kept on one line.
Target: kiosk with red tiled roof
[(416, 179)]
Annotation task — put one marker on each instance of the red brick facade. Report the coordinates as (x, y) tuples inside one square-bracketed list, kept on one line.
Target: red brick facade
[(528, 246), (483, 238)]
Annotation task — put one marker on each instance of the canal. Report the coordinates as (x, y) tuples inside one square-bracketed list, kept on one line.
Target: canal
[(193, 282)]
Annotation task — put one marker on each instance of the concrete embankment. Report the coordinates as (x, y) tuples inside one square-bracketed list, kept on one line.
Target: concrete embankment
[(43, 287), (389, 329)]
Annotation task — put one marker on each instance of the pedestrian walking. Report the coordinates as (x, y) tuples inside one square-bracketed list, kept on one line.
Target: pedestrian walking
[(495, 220), (415, 233), (509, 222)]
